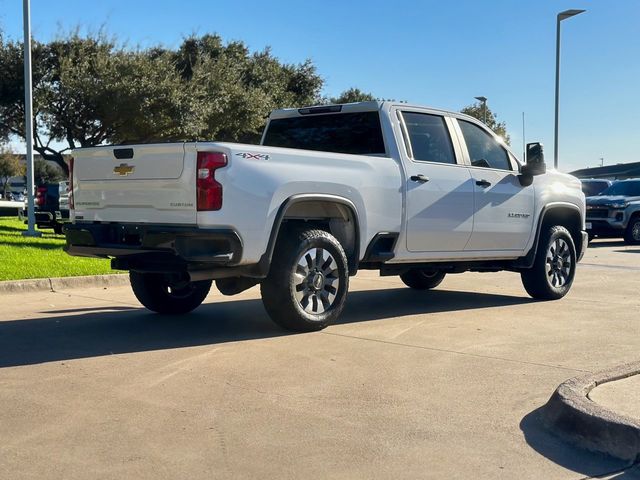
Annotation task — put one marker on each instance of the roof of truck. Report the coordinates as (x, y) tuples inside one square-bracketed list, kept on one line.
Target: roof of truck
[(351, 107)]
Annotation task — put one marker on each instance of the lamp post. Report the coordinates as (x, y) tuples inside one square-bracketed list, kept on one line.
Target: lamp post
[(524, 143), (561, 16), (28, 120), (484, 107)]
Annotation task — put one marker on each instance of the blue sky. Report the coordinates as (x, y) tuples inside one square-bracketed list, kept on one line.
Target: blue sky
[(427, 52)]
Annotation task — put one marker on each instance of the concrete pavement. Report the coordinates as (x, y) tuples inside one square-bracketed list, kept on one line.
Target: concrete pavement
[(443, 384)]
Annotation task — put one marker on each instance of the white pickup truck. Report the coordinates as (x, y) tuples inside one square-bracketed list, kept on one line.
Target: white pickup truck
[(406, 190)]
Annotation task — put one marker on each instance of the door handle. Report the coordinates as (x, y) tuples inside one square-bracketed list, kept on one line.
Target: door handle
[(419, 178), (483, 183)]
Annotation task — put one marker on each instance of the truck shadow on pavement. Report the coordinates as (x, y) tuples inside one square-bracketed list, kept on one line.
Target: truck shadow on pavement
[(606, 243), (628, 250), (589, 464), (107, 330)]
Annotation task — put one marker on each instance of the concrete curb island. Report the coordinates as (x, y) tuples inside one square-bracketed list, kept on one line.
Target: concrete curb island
[(573, 415), (54, 284)]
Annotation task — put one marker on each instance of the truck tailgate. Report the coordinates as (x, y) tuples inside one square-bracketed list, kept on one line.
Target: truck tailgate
[(137, 183)]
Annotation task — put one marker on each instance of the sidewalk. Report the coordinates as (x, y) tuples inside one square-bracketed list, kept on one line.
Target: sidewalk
[(620, 396)]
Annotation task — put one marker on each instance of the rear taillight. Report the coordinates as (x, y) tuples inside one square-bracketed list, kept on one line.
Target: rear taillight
[(70, 189), (209, 191), (41, 196)]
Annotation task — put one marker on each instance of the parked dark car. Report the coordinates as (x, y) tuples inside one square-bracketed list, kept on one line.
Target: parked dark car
[(51, 206), (594, 186)]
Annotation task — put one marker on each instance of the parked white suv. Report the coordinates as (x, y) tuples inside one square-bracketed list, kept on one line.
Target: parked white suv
[(406, 190)]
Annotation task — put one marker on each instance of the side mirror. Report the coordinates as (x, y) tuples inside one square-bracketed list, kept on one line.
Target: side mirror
[(535, 164)]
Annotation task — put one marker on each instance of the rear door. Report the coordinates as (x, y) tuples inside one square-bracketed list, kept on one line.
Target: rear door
[(503, 208), (138, 183), (439, 187)]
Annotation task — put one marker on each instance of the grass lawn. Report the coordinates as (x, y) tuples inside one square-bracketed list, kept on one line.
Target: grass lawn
[(27, 257)]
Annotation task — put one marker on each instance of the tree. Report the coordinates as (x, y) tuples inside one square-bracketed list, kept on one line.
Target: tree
[(476, 110), (64, 109), (9, 167), (231, 91), (44, 173), (90, 90), (352, 95)]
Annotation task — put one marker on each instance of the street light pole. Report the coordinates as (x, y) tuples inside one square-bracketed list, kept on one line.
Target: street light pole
[(28, 120), (561, 16), (484, 107), (524, 148)]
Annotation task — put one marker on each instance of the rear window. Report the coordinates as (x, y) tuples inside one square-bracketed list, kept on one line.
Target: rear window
[(357, 133)]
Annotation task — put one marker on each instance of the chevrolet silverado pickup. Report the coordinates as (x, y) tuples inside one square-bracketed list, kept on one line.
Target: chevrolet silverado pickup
[(615, 212), (406, 190)]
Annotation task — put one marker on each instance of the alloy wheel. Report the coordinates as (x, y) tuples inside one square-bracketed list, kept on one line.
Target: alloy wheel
[(316, 280), (558, 263), (635, 231)]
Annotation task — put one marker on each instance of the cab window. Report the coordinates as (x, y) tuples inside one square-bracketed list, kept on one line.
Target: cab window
[(429, 137), (484, 150)]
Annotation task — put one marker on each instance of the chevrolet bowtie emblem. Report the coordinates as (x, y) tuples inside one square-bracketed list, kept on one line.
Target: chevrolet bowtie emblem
[(123, 169)]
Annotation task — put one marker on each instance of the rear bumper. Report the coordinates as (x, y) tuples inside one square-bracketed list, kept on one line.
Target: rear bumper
[(45, 218), (134, 245)]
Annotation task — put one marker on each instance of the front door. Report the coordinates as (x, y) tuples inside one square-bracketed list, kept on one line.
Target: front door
[(503, 209), (439, 187)]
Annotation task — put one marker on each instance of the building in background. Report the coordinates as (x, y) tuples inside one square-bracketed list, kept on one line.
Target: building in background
[(621, 171)]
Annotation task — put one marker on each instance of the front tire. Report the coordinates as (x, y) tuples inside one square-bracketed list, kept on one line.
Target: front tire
[(158, 294), (308, 281), (554, 267), (632, 233), (421, 279)]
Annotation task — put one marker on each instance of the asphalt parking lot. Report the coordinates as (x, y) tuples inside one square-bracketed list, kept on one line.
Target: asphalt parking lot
[(443, 384)]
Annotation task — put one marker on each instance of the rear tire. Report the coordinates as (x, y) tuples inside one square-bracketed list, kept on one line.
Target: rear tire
[(554, 267), (632, 233), (422, 279), (154, 291), (308, 281)]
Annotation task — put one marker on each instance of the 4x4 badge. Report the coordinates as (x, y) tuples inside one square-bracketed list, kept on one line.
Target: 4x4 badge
[(254, 156), (123, 169)]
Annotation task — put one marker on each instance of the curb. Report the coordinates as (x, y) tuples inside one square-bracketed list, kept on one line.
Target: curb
[(62, 283), (573, 415)]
